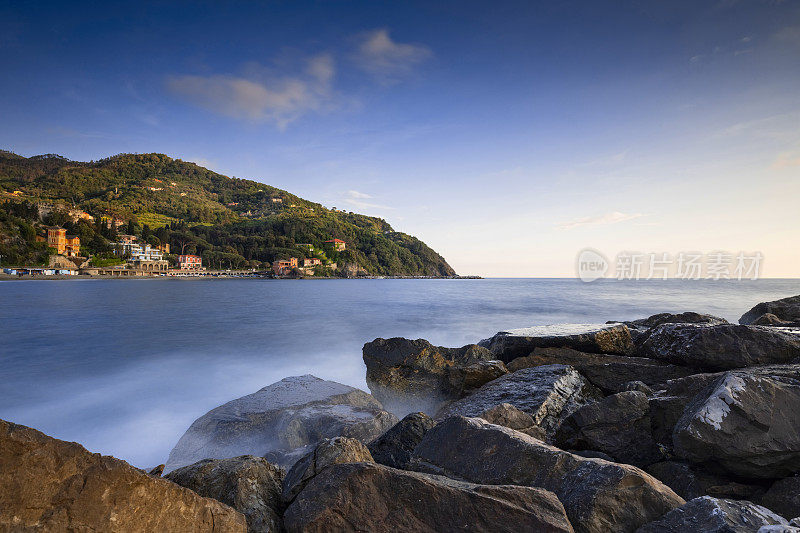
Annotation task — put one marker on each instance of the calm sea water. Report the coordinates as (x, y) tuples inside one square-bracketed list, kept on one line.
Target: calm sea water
[(124, 366)]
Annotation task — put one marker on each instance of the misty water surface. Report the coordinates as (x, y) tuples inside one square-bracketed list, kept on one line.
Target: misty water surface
[(124, 366)]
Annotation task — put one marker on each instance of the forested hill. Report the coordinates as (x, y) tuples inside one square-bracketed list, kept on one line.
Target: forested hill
[(229, 221)]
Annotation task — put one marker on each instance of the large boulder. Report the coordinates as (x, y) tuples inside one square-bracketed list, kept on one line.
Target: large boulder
[(394, 447), (372, 497), (713, 515), (595, 338), (249, 484), (281, 422), (618, 425), (690, 481), (641, 327), (610, 373), (328, 452), (745, 422), (413, 375), (721, 347), (547, 393), (598, 495), (53, 485), (667, 405), (783, 497), (787, 309)]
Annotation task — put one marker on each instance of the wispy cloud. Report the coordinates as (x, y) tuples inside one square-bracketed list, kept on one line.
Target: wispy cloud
[(609, 218), (360, 200), (388, 60), (786, 160), (262, 96)]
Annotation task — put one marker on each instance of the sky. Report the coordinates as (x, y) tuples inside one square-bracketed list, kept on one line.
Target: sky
[(508, 136)]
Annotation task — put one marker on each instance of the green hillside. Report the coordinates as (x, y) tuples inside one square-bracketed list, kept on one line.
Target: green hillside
[(230, 222)]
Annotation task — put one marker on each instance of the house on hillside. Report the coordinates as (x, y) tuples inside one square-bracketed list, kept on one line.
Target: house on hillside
[(69, 245), (338, 244), (311, 262), (282, 267)]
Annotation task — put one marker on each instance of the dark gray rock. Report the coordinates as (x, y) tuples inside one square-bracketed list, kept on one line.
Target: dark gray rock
[(594, 338), (713, 515), (249, 484), (592, 454), (610, 373), (783, 497), (721, 347), (509, 416), (328, 452), (768, 319), (745, 422), (618, 425), (638, 386), (370, 497), (687, 317), (394, 447), (281, 422), (667, 405), (784, 309), (690, 481), (547, 393), (413, 375), (597, 495)]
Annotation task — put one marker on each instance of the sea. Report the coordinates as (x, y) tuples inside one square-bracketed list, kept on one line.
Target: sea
[(124, 366)]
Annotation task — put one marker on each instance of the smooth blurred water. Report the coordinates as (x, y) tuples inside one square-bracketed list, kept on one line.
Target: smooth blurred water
[(124, 366)]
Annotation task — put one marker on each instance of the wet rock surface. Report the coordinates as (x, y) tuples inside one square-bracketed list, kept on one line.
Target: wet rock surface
[(610, 373), (53, 485), (787, 309), (249, 484), (746, 422), (618, 425), (372, 497), (595, 338), (413, 375), (281, 422), (328, 452), (721, 347), (547, 393), (597, 495), (715, 515), (394, 448), (783, 497)]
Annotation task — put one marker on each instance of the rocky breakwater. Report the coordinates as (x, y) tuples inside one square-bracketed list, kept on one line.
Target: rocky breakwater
[(691, 424)]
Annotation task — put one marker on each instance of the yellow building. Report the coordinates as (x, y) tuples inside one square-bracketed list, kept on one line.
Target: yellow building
[(64, 244)]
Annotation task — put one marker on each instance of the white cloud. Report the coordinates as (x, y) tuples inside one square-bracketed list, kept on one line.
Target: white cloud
[(609, 218), (787, 160), (358, 200), (389, 60), (264, 98)]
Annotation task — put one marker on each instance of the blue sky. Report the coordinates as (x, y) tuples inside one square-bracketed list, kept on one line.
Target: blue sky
[(507, 135)]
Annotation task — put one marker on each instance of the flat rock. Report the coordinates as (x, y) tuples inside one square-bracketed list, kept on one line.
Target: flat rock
[(509, 416), (547, 393), (618, 425), (745, 422), (394, 447), (598, 495), (53, 485), (413, 375), (783, 497), (785, 309), (281, 422), (594, 338), (371, 497), (721, 347), (249, 484), (610, 373), (713, 515), (328, 452)]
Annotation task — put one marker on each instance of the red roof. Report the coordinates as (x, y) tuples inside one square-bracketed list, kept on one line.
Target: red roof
[(335, 240)]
